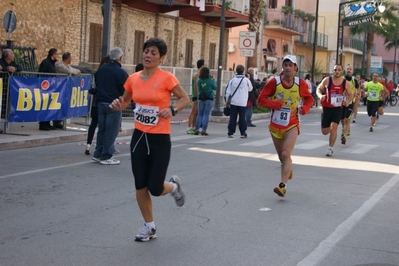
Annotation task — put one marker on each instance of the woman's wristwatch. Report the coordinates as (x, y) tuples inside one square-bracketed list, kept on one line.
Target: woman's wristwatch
[(174, 110)]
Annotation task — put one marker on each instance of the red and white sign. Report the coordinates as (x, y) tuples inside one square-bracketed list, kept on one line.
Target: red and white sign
[(247, 40)]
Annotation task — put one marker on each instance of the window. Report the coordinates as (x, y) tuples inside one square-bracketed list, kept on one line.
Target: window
[(138, 46), (272, 4), (288, 3), (188, 60), (212, 55), (95, 42)]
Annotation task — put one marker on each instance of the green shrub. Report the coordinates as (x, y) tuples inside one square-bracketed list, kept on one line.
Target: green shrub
[(260, 109)]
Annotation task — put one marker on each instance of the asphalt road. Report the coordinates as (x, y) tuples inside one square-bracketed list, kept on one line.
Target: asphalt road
[(57, 207)]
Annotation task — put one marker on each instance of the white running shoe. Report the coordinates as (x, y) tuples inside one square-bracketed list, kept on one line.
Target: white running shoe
[(329, 152), (110, 161), (179, 195), (146, 234), (87, 151)]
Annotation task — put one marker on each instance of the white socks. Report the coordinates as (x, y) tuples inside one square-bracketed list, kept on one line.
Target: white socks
[(150, 224), (174, 187)]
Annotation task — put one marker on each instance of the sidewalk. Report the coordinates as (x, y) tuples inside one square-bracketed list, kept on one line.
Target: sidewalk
[(28, 135)]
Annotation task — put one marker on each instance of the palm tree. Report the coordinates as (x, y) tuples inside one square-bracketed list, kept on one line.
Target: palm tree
[(255, 8), (381, 26), (392, 41)]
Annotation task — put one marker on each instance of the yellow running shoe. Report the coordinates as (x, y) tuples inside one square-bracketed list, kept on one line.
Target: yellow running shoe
[(280, 190)]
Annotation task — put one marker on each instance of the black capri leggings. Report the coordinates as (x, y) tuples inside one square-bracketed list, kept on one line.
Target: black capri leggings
[(150, 155)]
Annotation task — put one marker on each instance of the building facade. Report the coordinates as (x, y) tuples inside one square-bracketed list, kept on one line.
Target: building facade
[(190, 28)]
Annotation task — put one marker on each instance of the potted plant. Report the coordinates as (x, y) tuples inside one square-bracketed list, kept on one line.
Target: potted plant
[(287, 9), (228, 5), (310, 17), (299, 13)]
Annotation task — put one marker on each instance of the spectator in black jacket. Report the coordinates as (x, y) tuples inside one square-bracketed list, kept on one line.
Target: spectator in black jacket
[(48, 66), (7, 64), (109, 79), (252, 96)]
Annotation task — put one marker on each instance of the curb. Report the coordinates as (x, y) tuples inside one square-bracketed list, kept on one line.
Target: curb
[(74, 137)]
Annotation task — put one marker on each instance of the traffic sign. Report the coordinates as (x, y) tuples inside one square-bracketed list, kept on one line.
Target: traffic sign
[(247, 40), (247, 52), (9, 21)]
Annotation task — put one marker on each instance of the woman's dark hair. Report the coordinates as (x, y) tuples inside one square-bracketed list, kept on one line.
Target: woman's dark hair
[(307, 76), (139, 67), (106, 59), (204, 73), (157, 42), (51, 52)]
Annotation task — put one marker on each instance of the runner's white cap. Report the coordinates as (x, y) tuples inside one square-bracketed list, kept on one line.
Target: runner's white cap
[(291, 58)]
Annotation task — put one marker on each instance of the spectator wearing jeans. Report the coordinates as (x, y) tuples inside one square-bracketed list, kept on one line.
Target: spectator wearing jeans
[(206, 85), (239, 100), (109, 80)]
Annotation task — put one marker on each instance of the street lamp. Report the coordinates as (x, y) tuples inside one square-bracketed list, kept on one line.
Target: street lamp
[(315, 39), (216, 109), (394, 60)]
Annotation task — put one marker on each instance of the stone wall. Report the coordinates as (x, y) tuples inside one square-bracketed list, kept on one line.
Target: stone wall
[(65, 25)]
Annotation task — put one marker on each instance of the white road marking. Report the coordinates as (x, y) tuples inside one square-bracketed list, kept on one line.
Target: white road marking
[(325, 247), (258, 143), (310, 145), (360, 148), (207, 140)]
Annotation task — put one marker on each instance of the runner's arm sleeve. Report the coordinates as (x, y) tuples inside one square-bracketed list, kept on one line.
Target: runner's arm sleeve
[(264, 99)]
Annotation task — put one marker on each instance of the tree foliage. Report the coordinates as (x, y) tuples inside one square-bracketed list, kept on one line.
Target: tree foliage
[(255, 10)]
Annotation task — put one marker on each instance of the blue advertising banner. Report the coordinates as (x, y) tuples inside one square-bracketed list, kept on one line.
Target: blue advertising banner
[(79, 100), (48, 98)]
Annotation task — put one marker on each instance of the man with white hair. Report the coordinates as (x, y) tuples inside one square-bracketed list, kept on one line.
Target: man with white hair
[(65, 66), (109, 80)]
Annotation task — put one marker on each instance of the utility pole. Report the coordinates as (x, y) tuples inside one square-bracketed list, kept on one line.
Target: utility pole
[(394, 60), (216, 109), (316, 25), (107, 15)]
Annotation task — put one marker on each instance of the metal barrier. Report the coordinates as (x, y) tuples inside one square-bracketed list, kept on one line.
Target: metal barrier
[(4, 87), (6, 95), (25, 57), (184, 75)]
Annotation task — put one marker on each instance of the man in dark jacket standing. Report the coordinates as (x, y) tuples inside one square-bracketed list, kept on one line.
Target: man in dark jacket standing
[(109, 79), (7, 64), (48, 66), (252, 96)]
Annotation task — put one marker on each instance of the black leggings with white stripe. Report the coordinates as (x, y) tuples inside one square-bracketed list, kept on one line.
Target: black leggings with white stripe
[(150, 155)]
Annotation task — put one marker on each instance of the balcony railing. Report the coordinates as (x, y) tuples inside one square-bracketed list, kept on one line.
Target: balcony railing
[(308, 39), (290, 21), (354, 43), (239, 6)]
